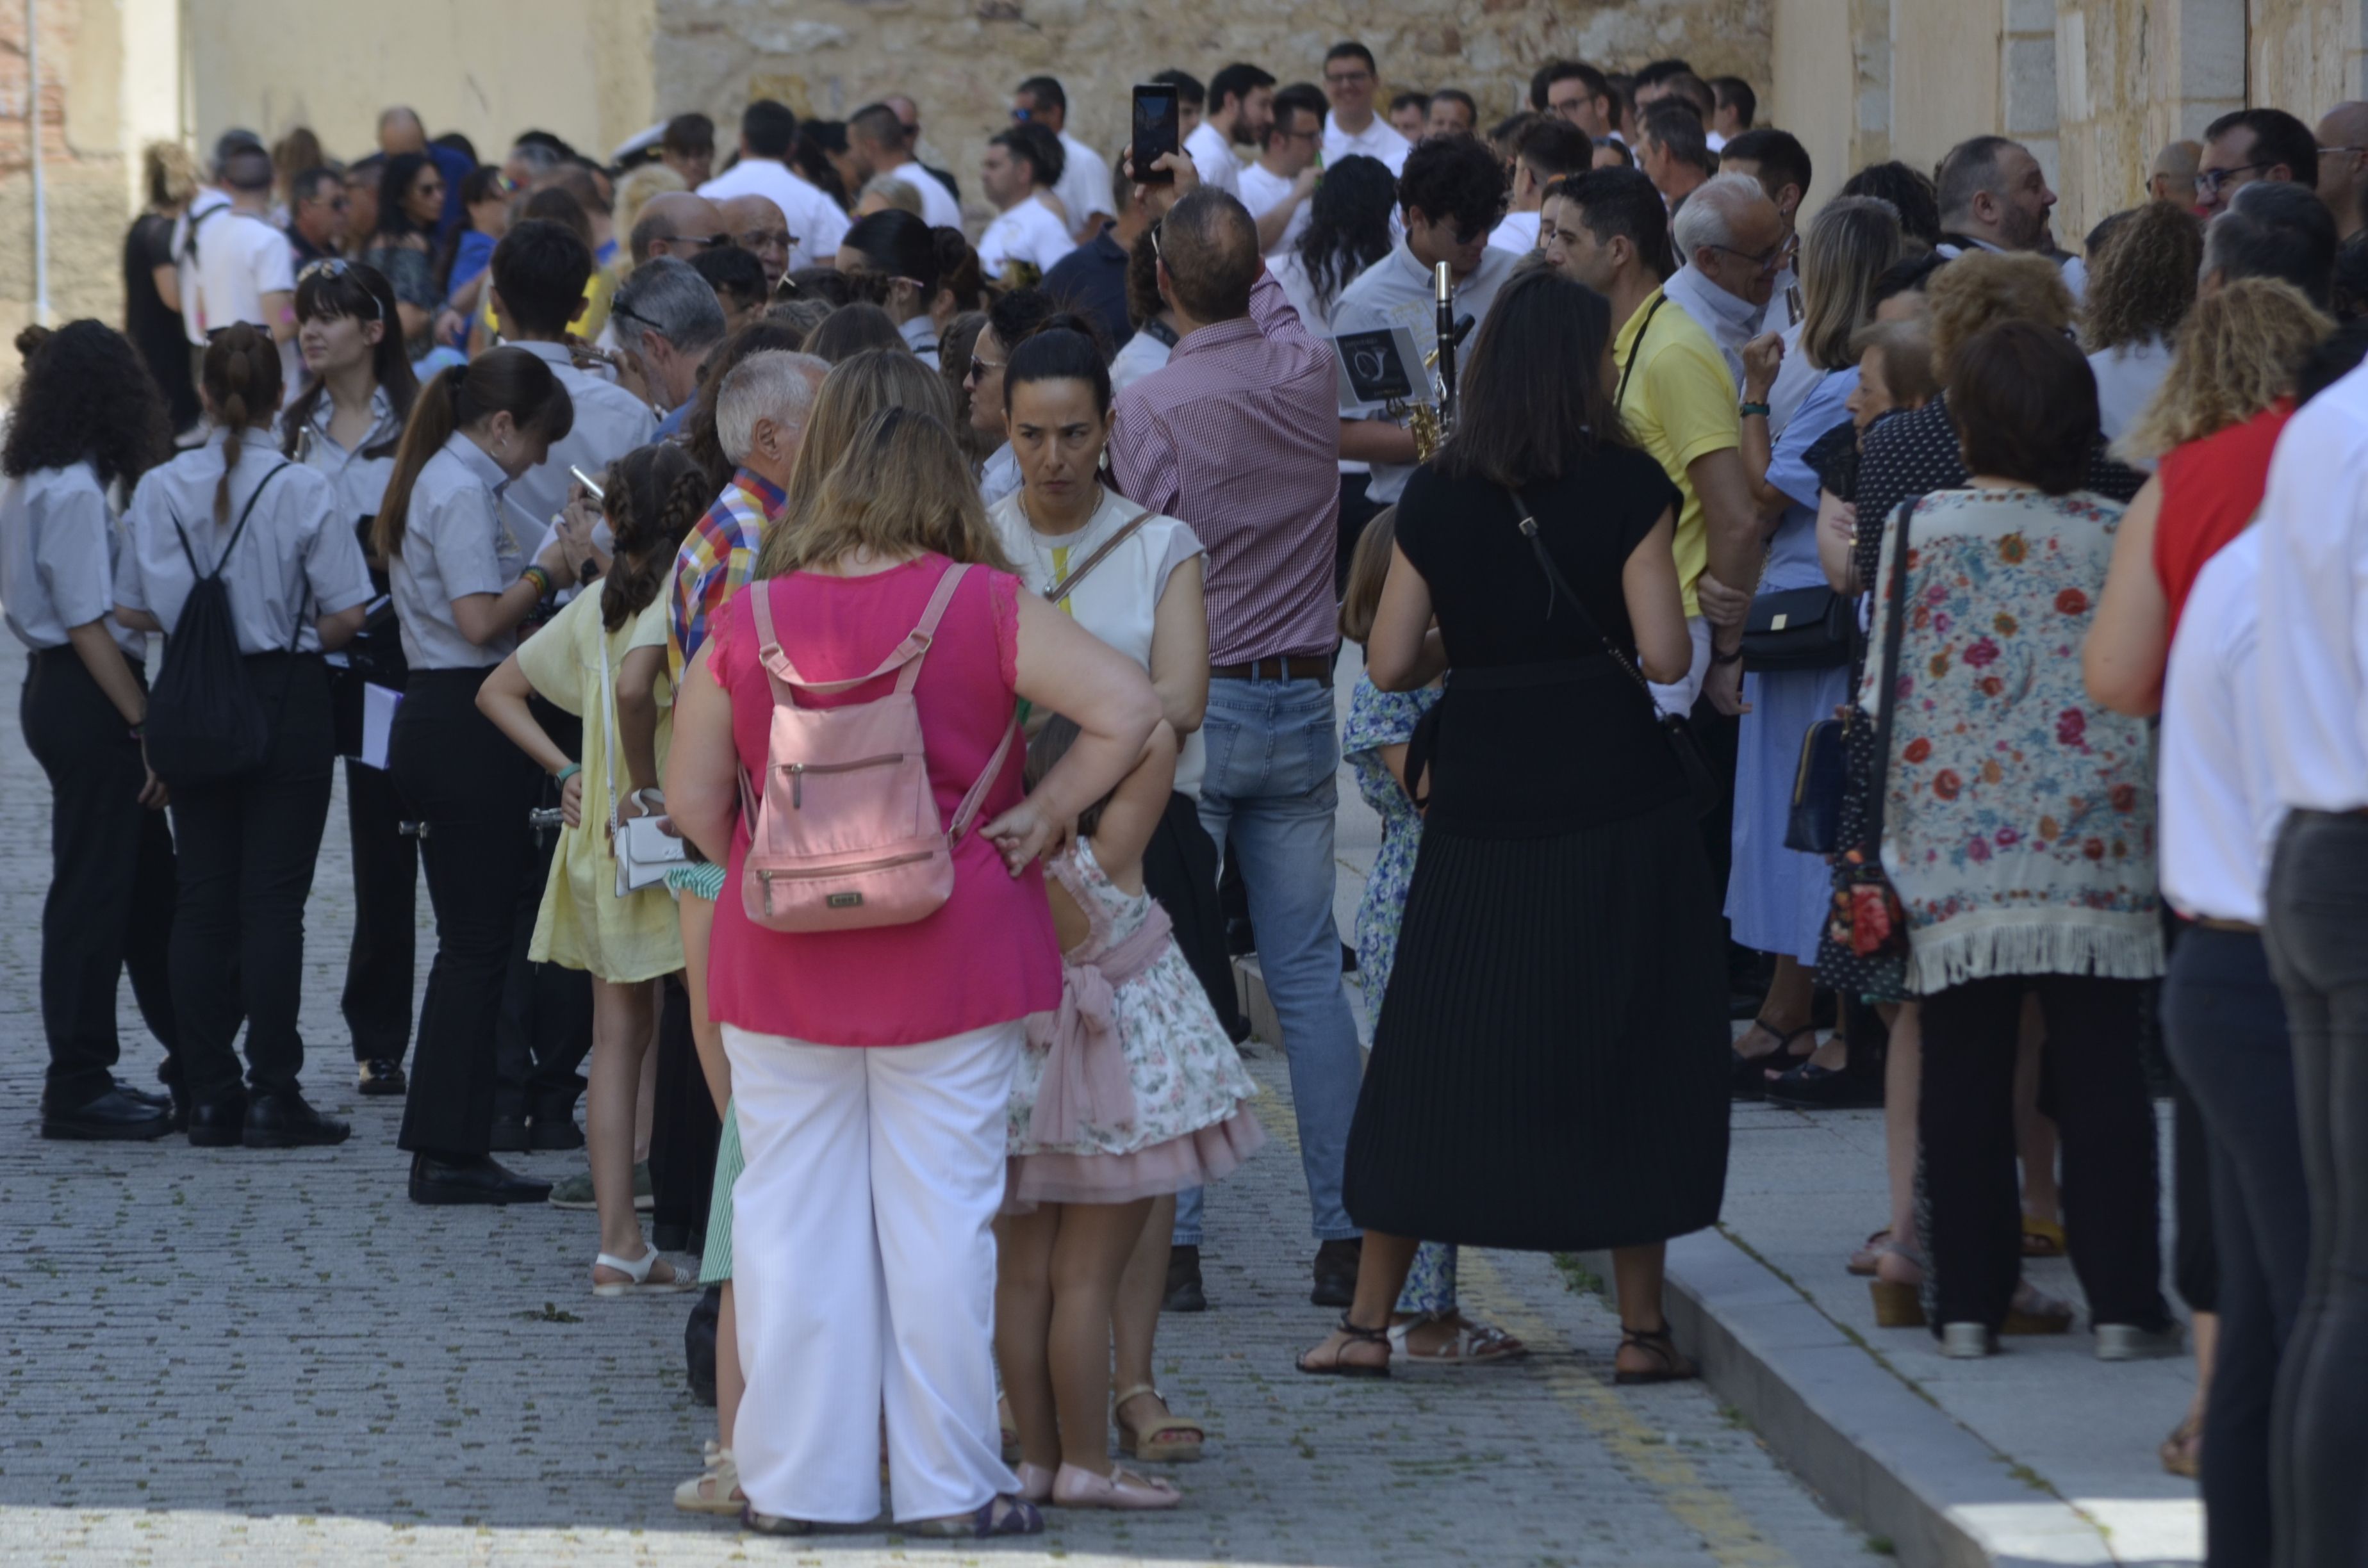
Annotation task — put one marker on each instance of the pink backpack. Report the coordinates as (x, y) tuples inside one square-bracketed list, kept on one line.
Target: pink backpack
[(843, 831)]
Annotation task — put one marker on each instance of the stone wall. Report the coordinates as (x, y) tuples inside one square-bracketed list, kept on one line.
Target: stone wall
[(81, 169), (959, 59)]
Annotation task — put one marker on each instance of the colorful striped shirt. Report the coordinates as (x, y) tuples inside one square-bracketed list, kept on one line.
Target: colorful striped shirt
[(718, 557)]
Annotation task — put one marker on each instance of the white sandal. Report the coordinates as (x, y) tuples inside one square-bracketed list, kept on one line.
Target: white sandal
[(637, 1281), (724, 1496), (1474, 1345)]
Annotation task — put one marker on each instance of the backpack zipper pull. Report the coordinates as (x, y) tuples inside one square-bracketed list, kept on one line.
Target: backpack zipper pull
[(797, 785)]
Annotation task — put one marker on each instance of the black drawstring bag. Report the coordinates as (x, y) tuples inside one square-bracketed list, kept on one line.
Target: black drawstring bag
[(205, 723)]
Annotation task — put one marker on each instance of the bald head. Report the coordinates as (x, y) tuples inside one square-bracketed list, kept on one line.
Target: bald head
[(676, 224), (2344, 166), (2172, 177), (756, 226), (399, 132), (1209, 257)]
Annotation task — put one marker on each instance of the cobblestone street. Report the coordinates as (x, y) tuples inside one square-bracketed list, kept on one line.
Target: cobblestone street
[(263, 1358)]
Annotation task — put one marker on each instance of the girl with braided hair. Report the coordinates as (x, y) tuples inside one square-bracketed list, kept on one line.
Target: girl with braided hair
[(297, 586), (603, 657)]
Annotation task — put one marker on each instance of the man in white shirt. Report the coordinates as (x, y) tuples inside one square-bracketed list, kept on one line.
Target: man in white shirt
[(206, 210), (538, 273), (1544, 152), (245, 271), (1241, 107), (1730, 242), (1020, 171), (1083, 184), (1280, 187), (875, 140), (1451, 194), (1352, 78), (767, 132)]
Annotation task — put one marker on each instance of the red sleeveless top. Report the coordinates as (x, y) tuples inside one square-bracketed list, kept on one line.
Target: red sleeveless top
[(2211, 488)]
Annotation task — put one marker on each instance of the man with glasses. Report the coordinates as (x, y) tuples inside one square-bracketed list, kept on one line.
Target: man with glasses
[(758, 227), (1994, 196), (1544, 149), (1353, 80), (2252, 144), (669, 319), (768, 132), (2344, 166), (1453, 198), (1277, 188), (1571, 90), (678, 224), (1082, 184), (316, 216), (880, 144)]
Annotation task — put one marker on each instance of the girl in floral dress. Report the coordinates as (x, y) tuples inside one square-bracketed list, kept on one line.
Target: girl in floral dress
[(1427, 1328), (1130, 1090)]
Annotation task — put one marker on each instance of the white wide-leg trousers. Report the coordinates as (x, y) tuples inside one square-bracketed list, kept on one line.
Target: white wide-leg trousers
[(863, 1266)]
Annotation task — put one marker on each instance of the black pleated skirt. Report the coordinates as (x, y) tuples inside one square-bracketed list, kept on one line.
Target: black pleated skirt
[(1549, 1069)]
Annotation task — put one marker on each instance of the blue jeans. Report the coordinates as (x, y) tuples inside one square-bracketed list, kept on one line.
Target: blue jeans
[(1268, 800)]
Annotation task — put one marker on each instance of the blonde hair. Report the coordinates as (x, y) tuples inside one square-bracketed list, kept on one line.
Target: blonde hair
[(633, 193), (171, 173), (1981, 288), (1369, 568), (2238, 352), (900, 488), (1850, 242), (856, 388)]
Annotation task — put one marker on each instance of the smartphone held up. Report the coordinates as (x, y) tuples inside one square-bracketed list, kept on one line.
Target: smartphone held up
[(1157, 131)]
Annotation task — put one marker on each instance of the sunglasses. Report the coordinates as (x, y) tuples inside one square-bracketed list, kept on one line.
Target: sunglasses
[(711, 240), (979, 368), (334, 270)]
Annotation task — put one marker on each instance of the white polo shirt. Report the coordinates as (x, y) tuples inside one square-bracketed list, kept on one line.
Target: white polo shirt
[(815, 218), (2216, 799), (938, 208), (205, 214), (1084, 187), (1029, 231), (1379, 139), (1213, 155), (2313, 682), (1262, 192), (1518, 232)]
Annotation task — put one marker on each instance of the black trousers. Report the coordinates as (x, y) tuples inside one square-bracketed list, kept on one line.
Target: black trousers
[(247, 850), (1180, 869), (1356, 511), (473, 789), (684, 1130), (111, 880), (546, 1025), (380, 963), (2317, 937), (2226, 1027), (1965, 1118)]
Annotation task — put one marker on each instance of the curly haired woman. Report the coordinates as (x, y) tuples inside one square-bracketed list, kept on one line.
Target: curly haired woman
[(2141, 288)]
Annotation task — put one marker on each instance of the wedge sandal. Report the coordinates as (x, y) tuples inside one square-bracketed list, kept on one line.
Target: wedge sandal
[(1170, 1440)]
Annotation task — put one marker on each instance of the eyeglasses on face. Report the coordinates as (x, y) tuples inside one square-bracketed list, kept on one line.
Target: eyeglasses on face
[(1768, 261), (1348, 79), (979, 368), (2210, 181), (759, 238), (711, 240)]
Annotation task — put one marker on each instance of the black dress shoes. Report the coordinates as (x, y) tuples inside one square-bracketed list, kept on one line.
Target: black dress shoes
[(218, 1124), (118, 1114), (380, 1077), (509, 1136), (1336, 1273), (285, 1121), (478, 1180), (1184, 1291)]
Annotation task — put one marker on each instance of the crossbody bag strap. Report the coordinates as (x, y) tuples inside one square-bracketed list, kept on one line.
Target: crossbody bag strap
[(1886, 698), (1635, 348), (1068, 585), (1559, 588)]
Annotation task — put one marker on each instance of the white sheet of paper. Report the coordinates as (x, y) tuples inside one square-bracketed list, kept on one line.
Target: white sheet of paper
[(379, 704)]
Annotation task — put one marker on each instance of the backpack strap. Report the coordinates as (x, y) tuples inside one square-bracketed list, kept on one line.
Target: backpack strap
[(971, 803), (905, 657)]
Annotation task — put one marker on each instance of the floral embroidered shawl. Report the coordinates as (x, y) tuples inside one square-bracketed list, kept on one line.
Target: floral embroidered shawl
[(2019, 825)]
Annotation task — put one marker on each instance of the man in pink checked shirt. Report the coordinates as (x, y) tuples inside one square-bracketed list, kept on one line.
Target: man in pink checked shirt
[(1239, 436)]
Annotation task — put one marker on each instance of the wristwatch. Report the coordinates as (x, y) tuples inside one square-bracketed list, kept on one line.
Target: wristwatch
[(1718, 658), (1749, 409)]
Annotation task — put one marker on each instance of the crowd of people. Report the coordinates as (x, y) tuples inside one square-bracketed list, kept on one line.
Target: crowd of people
[(853, 687)]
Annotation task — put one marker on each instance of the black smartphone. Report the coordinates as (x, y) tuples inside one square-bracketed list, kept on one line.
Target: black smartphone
[(1155, 120)]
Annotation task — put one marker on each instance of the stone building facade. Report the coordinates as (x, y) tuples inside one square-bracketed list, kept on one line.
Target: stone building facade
[(2095, 86)]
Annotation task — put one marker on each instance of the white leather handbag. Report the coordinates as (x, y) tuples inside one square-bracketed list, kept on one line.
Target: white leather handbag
[(642, 846)]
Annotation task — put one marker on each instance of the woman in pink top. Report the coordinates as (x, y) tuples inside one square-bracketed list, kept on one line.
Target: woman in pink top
[(864, 1260)]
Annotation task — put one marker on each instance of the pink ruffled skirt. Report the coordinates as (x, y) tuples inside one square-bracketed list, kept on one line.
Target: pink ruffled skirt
[(1210, 1153)]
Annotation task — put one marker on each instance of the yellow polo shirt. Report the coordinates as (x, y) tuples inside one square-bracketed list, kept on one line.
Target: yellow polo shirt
[(1678, 400)]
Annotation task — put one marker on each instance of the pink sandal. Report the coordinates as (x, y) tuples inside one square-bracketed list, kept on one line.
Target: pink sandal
[(1075, 1488)]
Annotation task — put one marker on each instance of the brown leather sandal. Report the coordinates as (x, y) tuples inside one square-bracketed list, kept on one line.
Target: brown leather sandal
[(1357, 1334), (1655, 1342)]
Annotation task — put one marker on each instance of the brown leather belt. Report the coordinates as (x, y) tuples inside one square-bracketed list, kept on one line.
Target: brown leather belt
[(1317, 667)]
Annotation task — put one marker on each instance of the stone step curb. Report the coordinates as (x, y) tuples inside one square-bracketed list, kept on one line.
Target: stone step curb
[(1842, 1419)]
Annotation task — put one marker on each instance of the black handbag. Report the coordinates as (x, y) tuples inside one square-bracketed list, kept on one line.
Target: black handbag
[(1815, 825), (1798, 629), (1702, 787)]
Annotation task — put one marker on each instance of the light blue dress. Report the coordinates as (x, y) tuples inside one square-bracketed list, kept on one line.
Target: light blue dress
[(1777, 898)]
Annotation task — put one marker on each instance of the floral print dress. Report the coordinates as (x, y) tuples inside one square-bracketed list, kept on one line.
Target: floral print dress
[(2019, 825)]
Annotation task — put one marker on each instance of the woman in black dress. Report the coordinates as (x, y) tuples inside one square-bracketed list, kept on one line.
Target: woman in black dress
[(1548, 1072)]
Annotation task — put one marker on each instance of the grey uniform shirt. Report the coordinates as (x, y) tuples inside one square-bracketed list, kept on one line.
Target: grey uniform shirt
[(297, 561), (355, 482), (610, 422), (1397, 291), (58, 546), (454, 542)]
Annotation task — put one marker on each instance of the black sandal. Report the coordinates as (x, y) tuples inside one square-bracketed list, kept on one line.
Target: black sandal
[(1674, 1368), (1747, 1076), (1339, 1369)]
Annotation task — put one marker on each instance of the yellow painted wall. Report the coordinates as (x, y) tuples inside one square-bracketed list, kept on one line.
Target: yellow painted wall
[(487, 68), (1806, 95), (1944, 75)]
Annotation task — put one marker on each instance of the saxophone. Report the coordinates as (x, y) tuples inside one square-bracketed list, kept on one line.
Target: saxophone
[(1433, 421)]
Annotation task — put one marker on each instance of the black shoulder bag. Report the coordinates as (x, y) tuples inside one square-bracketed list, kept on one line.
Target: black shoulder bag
[(205, 724), (1702, 785)]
